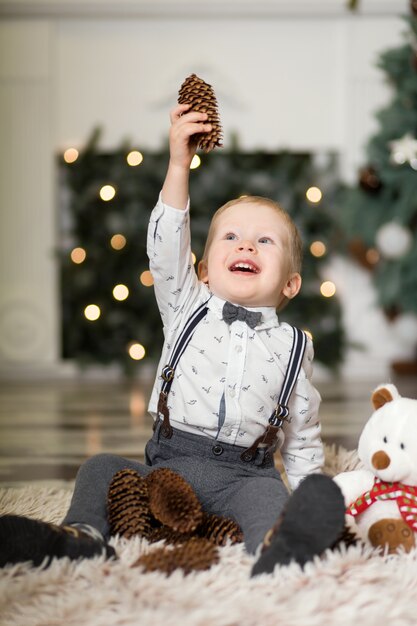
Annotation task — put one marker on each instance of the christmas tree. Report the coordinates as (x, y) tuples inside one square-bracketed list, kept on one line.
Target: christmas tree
[(109, 310), (380, 213)]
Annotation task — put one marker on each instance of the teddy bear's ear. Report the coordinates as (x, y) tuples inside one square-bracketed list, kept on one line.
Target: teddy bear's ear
[(384, 394)]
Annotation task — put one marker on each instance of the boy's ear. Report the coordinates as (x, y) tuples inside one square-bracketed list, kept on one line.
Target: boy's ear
[(292, 286), (202, 271)]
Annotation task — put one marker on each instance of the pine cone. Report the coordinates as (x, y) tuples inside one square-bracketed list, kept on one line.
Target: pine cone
[(128, 505), (194, 555), (219, 530), (347, 537), (172, 537), (172, 500), (201, 97)]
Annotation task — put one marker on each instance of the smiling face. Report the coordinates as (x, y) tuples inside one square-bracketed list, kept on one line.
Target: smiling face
[(249, 260)]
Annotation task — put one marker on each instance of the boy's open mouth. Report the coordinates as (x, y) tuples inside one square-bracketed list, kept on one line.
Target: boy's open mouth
[(245, 267)]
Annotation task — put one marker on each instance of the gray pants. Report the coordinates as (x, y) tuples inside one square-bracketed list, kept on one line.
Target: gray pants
[(252, 493)]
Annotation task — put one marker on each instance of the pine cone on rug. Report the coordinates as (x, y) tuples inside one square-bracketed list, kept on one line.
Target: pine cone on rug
[(195, 555), (347, 538), (128, 505), (169, 536), (200, 95), (219, 530), (164, 507)]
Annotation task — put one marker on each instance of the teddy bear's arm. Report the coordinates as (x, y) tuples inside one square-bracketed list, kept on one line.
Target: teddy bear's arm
[(354, 484)]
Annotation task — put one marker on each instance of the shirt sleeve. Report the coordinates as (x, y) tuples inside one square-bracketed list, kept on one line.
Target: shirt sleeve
[(302, 451), (170, 259)]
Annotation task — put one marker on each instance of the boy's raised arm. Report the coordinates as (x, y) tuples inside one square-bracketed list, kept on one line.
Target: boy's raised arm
[(182, 148)]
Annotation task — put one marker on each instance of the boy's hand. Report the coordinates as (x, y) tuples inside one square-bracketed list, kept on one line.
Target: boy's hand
[(184, 126), (182, 148)]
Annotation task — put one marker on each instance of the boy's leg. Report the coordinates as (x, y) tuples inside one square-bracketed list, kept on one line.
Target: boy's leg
[(255, 506), (89, 500), (84, 531), (312, 521)]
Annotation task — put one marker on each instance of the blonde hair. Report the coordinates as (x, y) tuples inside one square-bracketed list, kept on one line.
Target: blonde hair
[(294, 238)]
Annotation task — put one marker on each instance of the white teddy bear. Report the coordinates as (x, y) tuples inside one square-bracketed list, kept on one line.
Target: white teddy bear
[(382, 498)]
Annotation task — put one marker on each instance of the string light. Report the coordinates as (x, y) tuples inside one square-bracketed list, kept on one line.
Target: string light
[(136, 351), (120, 292), (193, 257), (314, 194), (327, 289), (118, 241), (318, 249), (196, 162), (146, 278), (134, 158), (78, 255), (308, 333), (107, 192), (92, 312), (71, 155)]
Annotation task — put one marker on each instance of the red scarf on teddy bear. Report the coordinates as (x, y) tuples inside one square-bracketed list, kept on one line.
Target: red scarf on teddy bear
[(405, 496)]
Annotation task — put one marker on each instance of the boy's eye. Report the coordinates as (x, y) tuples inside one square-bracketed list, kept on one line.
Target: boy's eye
[(265, 240), (230, 236)]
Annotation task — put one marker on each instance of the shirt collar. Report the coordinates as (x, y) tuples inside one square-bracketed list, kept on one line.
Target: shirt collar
[(269, 313)]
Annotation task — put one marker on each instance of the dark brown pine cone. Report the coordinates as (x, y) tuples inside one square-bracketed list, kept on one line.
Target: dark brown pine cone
[(219, 530), (195, 555), (128, 505), (172, 537), (172, 500), (347, 538), (200, 95)]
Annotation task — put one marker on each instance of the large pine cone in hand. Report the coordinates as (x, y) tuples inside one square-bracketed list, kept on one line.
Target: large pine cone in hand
[(200, 95)]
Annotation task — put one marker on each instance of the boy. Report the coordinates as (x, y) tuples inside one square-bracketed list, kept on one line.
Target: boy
[(234, 384)]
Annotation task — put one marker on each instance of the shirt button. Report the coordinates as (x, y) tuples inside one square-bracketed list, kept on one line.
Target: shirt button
[(232, 393), (238, 348), (228, 432)]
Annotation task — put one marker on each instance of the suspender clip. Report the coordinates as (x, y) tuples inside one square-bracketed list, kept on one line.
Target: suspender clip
[(166, 428), (168, 373), (279, 416)]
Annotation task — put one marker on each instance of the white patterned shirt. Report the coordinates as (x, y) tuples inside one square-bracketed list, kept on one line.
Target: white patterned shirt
[(229, 378)]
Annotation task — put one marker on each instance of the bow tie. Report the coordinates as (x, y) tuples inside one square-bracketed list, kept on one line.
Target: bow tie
[(231, 313)]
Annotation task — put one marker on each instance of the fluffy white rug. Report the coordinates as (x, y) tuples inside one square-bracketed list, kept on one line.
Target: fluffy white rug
[(355, 586)]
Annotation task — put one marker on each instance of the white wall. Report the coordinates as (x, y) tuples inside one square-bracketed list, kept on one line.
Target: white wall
[(298, 75)]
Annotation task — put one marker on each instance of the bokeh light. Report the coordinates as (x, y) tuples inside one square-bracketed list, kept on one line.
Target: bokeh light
[(134, 158), (107, 192), (318, 249), (92, 312), (327, 289), (71, 155), (136, 351), (196, 162), (120, 292), (78, 255), (118, 241), (314, 194), (146, 278)]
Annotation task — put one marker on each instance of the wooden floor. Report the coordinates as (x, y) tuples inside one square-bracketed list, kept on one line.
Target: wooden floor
[(47, 429)]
